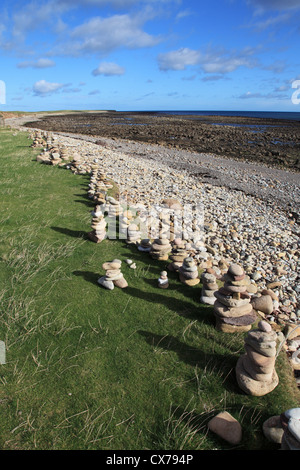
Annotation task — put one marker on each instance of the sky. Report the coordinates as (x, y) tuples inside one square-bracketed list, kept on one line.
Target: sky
[(150, 55)]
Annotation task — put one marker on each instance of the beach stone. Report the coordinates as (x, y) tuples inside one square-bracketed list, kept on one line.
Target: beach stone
[(290, 422), (236, 270), (272, 429), (103, 281), (121, 283), (263, 304), (226, 427)]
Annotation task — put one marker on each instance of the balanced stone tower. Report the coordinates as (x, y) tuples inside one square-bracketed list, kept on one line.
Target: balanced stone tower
[(209, 287), (178, 254), (113, 275), (232, 308), (255, 370), (188, 272), (98, 232), (160, 249)]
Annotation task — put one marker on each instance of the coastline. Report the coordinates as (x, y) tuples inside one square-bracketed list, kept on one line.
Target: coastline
[(272, 184), (273, 142), (253, 228)]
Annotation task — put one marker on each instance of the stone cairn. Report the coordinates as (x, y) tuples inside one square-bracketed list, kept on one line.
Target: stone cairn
[(145, 245), (255, 370), (125, 219), (232, 308), (163, 281), (114, 207), (160, 249), (290, 422), (99, 224), (113, 275), (178, 254), (209, 287), (133, 235), (188, 272)]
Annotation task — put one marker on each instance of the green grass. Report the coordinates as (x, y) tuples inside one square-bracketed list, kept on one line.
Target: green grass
[(87, 368)]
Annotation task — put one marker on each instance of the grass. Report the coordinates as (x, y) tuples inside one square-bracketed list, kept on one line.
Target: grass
[(87, 368)]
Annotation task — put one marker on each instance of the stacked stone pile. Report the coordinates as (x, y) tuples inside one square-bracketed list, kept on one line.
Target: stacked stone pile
[(125, 219), (188, 272), (255, 370), (99, 224), (113, 276), (160, 249), (114, 207), (145, 245), (209, 287), (133, 234), (232, 308), (163, 281), (38, 139), (178, 254)]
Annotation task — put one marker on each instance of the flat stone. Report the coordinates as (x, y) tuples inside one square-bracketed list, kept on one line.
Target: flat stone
[(236, 270), (230, 302), (224, 311), (226, 427), (272, 429), (105, 283)]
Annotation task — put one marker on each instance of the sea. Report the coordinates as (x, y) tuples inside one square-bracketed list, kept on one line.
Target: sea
[(289, 115)]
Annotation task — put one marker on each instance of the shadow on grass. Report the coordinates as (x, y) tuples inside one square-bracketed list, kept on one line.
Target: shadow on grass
[(71, 233), (88, 276), (188, 354)]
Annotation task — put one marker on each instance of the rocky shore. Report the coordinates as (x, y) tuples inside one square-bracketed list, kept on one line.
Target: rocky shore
[(250, 211), (273, 142)]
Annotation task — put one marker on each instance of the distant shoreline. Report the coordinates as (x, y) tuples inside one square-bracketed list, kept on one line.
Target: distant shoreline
[(272, 141)]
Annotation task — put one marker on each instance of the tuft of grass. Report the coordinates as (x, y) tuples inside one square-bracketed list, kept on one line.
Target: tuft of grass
[(91, 369)]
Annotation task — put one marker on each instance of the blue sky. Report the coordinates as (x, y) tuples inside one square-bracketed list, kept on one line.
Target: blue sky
[(149, 54)]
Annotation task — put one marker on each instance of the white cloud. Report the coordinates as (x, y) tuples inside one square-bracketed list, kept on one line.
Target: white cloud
[(38, 64), (44, 88), (178, 60), (103, 35), (212, 61), (108, 69)]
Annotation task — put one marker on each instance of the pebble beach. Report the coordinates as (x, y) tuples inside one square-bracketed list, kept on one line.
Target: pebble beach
[(251, 212)]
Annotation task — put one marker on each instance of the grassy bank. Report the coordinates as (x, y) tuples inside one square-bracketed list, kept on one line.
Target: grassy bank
[(87, 368)]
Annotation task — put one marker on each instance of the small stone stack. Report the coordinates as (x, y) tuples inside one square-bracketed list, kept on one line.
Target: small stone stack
[(113, 275), (209, 287), (290, 422), (38, 140), (160, 249), (188, 272), (232, 308), (255, 370), (133, 234), (114, 207), (178, 254), (65, 155), (163, 281), (145, 245), (98, 232)]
